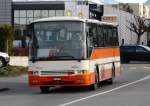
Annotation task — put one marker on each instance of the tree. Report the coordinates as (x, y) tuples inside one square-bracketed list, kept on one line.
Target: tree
[(148, 31), (138, 27), (6, 39)]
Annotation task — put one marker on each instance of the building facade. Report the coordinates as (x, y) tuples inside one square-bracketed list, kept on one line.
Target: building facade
[(23, 13)]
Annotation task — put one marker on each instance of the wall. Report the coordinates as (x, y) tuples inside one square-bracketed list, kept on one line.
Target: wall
[(5, 11), (18, 61)]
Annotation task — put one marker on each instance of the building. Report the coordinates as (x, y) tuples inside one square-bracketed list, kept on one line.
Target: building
[(126, 37)]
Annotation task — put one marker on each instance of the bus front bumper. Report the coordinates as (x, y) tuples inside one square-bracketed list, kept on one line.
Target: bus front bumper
[(72, 80)]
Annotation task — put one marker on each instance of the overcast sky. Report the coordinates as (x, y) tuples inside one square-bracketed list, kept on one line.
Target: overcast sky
[(124, 1)]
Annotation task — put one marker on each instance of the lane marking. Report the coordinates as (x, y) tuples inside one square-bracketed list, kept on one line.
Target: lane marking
[(102, 93), (147, 67)]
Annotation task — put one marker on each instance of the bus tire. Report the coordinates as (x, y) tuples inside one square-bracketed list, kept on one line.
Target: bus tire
[(111, 80), (44, 89), (96, 84)]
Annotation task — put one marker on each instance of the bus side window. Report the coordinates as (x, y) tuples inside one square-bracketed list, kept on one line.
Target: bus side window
[(105, 36), (110, 36), (100, 36), (115, 37), (92, 35)]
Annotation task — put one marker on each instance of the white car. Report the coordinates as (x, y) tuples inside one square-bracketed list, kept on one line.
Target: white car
[(4, 59)]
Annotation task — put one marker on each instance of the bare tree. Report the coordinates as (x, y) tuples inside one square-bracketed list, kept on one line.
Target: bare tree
[(138, 27), (148, 31)]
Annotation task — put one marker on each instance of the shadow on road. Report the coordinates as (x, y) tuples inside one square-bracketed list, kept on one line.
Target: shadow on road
[(19, 88)]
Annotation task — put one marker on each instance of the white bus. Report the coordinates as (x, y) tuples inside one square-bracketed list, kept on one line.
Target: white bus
[(70, 51)]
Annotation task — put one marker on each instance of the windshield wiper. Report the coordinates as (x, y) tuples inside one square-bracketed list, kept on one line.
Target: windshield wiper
[(55, 58), (63, 57)]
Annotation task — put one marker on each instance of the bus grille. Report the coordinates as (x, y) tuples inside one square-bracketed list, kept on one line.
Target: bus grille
[(54, 73)]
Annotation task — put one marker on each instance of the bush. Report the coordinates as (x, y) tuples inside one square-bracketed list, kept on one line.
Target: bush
[(6, 39), (12, 71)]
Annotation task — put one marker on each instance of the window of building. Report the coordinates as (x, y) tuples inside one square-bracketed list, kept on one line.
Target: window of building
[(22, 13), (16, 13), (16, 20), (37, 13), (29, 20), (44, 13), (51, 13), (23, 21), (29, 13), (59, 13)]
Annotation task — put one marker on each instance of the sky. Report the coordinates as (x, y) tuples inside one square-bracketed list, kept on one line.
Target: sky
[(110, 1)]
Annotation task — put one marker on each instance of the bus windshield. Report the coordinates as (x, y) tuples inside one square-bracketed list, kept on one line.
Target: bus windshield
[(58, 40)]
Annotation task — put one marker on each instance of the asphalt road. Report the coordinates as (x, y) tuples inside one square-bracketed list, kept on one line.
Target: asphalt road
[(132, 88)]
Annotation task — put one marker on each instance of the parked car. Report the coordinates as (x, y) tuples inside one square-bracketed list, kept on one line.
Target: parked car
[(135, 53), (4, 59)]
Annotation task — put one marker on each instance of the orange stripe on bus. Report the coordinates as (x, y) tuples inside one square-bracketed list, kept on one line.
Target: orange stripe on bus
[(74, 80), (104, 53)]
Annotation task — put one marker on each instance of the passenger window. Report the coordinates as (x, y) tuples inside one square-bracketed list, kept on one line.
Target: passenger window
[(140, 49), (128, 49)]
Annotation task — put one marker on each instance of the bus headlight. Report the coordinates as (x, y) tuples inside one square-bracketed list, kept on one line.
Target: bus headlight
[(35, 72)]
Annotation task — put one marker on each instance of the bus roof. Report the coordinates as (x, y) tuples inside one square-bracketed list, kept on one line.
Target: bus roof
[(74, 19)]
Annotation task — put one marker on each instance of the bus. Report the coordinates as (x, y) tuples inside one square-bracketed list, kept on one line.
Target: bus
[(70, 51)]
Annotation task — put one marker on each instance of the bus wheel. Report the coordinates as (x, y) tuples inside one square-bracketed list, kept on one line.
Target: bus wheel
[(111, 80), (96, 84), (44, 89)]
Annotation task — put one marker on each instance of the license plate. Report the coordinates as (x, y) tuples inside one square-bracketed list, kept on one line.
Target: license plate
[(57, 79)]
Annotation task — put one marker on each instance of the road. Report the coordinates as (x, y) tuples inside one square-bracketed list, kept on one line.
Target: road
[(132, 88)]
